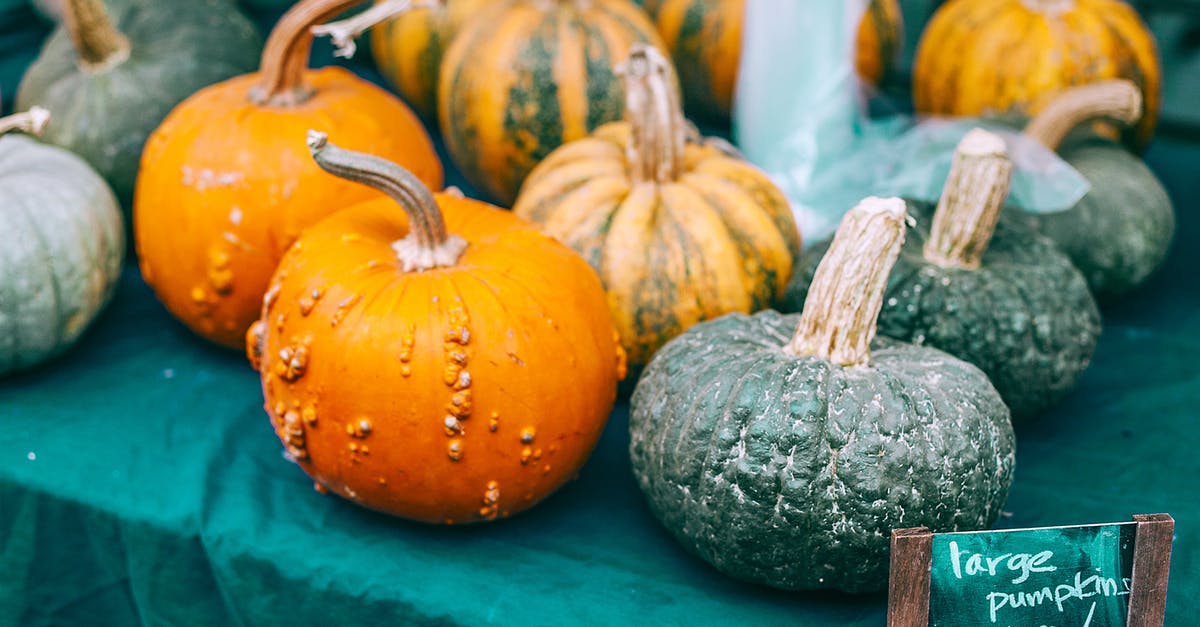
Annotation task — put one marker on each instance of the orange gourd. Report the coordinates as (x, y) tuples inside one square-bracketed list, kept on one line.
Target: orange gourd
[(225, 186), (450, 366)]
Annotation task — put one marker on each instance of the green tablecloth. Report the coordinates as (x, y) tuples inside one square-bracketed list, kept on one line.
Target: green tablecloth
[(141, 482)]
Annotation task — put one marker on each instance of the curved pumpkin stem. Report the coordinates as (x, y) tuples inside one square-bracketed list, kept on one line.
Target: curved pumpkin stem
[(427, 245), (1118, 99), (846, 294), (343, 33), (31, 122), (285, 55), (97, 42), (658, 128), (971, 201)]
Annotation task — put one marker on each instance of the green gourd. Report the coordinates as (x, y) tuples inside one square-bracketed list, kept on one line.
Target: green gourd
[(784, 449), (64, 244), (1121, 231), (986, 288), (113, 73)]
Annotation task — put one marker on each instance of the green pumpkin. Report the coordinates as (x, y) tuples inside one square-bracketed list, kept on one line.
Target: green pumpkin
[(787, 459), (1018, 309), (1121, 231), (111, 93), (64, 243)]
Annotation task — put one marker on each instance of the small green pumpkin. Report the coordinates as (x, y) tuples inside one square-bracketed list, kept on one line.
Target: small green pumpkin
[(64, 243), (783, 450), (1121, 231), (112, 74), (990, 291)]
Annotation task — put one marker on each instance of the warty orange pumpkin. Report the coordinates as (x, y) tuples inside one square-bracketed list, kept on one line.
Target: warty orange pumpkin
[(996, 57), (525, 76), (451, 366), (679, 231), (225, 186)]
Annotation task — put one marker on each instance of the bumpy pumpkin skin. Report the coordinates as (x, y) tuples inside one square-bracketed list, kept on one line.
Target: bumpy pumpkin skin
[(227, 185), (64, 244), (408, 49), (1000, 57), (720, 239), (526, 76), (1025, 317), (175, 49), (705, 41), (792, 472), (514, 342), (1121, 232)]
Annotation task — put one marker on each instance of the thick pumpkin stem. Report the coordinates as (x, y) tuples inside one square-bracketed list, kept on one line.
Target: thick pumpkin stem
[(657, 126), (97, 42), (846, 293), (30, 122), (343, 33), (285, 55), (1119, 100), (427, 245), (971, 201)]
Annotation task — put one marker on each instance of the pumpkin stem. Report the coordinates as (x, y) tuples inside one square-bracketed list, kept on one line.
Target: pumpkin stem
[(1119, 99), (657, 126), (971, 201), (427, 245), (30, 122), (846, 293), (343, 33), (98, 43)]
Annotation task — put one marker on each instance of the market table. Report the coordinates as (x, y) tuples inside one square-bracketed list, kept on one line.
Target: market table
[(141, 482)]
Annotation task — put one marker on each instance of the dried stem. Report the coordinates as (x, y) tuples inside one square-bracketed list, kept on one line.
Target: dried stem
[(285, 56), (971, 201), (658, 128), (97, 42), (1119, 99), (31, 122), (343, 32)]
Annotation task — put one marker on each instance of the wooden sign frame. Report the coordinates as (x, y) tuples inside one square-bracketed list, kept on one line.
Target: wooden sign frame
[(912, 553)]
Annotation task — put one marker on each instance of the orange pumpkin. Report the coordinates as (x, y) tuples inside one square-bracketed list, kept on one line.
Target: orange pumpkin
[(225, 187), (705, 40), (443, 378), (992, 57)]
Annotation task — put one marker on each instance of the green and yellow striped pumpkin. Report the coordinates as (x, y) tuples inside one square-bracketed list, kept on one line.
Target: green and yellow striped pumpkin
[(705, 40), (526, 76), (998, 57)]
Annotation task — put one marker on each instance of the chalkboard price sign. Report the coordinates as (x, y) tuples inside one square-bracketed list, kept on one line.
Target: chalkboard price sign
[(1071, 576)]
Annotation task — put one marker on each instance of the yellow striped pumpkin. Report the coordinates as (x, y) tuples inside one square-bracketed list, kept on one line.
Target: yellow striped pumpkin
[(998, 57), (408, 49), (679, 231), (525, 76), (705, 40)]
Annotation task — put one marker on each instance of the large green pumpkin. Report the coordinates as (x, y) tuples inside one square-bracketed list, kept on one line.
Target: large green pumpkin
[(133, 61), (787, 459), (1121, 231), (993, 293), (62, 252)]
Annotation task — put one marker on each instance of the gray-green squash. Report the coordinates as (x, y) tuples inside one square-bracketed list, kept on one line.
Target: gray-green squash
[(986, 288), (784, 449), (63, 245), (112, 73), (1121, 231)]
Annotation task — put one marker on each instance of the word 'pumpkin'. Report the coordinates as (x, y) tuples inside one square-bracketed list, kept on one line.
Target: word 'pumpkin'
[(525, 76), (995, 57), (679, 231), (111, 75), (64, 241), (443, 378), (226, 187), (784, 449)]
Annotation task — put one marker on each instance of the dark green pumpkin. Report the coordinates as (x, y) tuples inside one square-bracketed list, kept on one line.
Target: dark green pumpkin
[(105, 112), (1025, 316), (1121, 231), (791, 470)]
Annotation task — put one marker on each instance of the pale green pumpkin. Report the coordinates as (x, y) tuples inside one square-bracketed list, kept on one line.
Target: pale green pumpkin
[(64, 241), (112, 71)]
